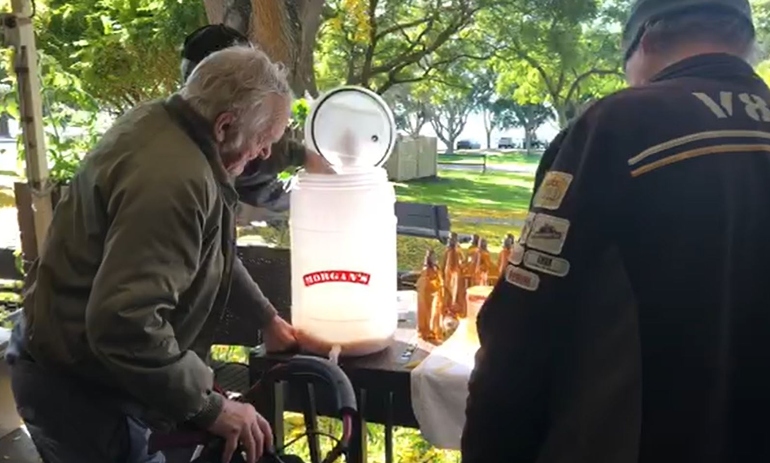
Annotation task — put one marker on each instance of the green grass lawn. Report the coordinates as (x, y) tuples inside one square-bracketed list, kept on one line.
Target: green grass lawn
[(478, 203), (469, 192)]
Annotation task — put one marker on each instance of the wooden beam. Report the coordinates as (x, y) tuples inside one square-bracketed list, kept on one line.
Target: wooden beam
[(22, 38)]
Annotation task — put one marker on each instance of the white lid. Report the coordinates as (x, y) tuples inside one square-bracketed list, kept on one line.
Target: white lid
[(351, 127)]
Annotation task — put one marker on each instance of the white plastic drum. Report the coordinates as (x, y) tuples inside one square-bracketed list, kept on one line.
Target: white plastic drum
[(343, 227)]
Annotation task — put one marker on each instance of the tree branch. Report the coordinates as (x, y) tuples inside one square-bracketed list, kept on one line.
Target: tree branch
[(371, 46), (403, 27), (519, 51), (393, 77), (409, 58), (592, 72)]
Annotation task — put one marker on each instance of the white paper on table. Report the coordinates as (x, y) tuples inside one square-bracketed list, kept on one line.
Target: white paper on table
[(440, 389)]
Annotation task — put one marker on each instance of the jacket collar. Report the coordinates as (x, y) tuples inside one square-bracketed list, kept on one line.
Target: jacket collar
[(718, 66), (201, 132)]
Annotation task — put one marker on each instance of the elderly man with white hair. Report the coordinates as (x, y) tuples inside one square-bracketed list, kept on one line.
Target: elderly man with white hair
[(139, 262)]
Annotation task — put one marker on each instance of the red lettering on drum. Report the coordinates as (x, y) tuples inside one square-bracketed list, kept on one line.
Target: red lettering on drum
[(336, 276)]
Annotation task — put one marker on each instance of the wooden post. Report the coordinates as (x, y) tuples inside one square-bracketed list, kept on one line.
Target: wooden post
[(484, 170), (20, 34), (26, 219)]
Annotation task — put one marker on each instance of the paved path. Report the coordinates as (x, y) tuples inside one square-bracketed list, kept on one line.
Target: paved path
[(490, 221), (508, 168)]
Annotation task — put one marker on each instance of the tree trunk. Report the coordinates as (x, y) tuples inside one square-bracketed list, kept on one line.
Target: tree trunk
[(562, 115), (488, 127), (528, 136), (5, 130), (311, 23), (450, 146), (285, 30)]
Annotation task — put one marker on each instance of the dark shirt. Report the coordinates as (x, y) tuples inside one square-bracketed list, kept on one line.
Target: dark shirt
[(259, 185), (633, 321)]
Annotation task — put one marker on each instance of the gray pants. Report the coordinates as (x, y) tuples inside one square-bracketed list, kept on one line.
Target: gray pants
[(70, 424)]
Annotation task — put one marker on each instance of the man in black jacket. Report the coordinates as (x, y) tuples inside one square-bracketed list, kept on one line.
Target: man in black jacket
[(258, 185), (632, 322)]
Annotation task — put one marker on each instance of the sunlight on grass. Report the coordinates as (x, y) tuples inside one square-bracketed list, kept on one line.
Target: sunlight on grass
[(408, 444), (490, 205), (471, 190), (6, 198)]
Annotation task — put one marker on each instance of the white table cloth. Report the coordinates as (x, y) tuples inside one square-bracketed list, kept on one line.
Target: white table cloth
[(440, 388)]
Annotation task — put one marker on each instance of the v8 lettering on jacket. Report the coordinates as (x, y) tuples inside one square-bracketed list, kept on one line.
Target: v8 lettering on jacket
[(336, 276)]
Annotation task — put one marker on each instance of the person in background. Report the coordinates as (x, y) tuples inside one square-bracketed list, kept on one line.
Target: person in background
[(121, 308), (632, 323), (258, 185)]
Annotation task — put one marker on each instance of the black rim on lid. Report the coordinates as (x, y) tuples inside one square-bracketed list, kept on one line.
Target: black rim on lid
[(310, 133)]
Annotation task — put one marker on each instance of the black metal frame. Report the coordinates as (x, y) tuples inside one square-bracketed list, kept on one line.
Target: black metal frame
[(383, 395)]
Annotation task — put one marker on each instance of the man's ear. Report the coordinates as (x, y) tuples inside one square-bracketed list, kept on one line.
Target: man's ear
[(222, 125), (645, 45)]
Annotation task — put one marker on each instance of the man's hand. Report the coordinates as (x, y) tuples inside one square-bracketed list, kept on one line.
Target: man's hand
[(317, 164), (279, 335), (312, 345), (240, 423)]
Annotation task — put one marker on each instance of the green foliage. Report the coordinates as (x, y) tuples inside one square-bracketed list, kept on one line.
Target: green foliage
[(452, 99), (763, 69), (300, 109), (561, 52), (93, 60), (70, 115), (510, 113), (410, 107), (381, 44), (761, 10), (124, 51)]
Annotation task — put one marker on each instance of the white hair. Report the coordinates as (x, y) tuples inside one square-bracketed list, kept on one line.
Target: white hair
[(237, 80)]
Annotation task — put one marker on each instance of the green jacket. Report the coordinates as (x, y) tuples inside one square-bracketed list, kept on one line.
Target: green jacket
[(138, 265)]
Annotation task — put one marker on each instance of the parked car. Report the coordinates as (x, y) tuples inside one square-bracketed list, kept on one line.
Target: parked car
[(468, 145), (506, 143)]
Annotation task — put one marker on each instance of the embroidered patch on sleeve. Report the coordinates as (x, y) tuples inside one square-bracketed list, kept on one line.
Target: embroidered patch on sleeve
[(548, 234), (547, 264), (524, 279), (552, 190), (517, 254), (526, 228)]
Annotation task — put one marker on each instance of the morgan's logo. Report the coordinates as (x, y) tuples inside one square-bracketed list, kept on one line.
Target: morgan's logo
[(336, 276)]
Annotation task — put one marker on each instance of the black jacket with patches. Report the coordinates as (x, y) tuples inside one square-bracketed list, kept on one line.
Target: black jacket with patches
[(633, 323)]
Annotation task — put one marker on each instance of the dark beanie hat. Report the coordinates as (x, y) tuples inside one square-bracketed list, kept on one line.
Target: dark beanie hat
[(644, 12), (209, 39)]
